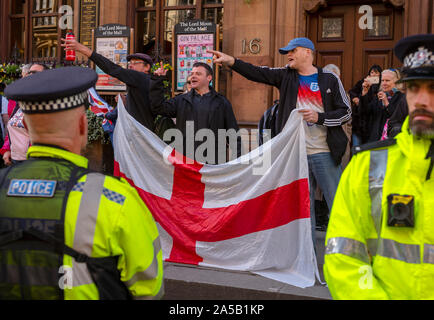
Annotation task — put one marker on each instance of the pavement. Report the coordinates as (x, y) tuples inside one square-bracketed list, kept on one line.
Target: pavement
[(185, 282)]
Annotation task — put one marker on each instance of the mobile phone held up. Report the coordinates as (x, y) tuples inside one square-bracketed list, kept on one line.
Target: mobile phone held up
[(373, 80)]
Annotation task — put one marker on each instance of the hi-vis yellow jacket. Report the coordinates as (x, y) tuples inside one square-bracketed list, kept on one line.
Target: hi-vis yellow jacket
[(119, 224), (365, 258)]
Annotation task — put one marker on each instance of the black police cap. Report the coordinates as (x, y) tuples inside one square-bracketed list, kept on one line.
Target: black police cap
[(416, 54), (53, 90)]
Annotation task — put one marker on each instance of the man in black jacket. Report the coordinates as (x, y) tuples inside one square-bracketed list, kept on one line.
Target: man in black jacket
[(201, 114), (136, 77), (320, 98)]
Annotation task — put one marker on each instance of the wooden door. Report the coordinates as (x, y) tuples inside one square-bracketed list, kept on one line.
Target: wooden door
[(339, 39)]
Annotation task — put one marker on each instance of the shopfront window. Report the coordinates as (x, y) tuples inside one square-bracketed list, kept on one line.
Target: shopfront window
[(155, 20), (44, 29), (172, 18), (35, 31), (147, 3), (171, 3), (17, 39)]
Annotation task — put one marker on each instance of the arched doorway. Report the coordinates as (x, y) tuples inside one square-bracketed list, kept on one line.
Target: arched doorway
[(335, 28)]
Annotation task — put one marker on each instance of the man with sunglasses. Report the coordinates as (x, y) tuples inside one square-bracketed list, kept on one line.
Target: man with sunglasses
[(136, 77)]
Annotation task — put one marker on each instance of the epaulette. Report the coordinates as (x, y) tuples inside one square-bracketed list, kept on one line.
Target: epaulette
[(373, 145)]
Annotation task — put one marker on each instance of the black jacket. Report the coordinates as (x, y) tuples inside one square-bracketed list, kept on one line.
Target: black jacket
[(336, 104), (375, 116), (398, 116), (138, 83), (359, 125), (219, 113)]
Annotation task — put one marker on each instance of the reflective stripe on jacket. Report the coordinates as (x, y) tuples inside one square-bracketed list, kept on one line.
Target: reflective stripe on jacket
[(365, 258), (117, 224)]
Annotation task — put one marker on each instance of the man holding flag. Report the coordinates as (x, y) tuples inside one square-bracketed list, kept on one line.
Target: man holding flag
[(319, 96), (251, 214)]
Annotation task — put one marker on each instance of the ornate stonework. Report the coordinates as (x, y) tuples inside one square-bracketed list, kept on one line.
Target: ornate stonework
[(312, 6), (396, 3)]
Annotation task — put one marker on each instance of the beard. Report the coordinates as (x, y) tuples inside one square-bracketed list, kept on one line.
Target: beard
[(422, 129)]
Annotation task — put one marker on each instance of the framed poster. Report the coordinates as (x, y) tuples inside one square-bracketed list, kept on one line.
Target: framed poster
[(112, 41), (192, 40)]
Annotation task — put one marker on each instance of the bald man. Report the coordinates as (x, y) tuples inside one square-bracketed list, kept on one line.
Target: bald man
[(70, 233)]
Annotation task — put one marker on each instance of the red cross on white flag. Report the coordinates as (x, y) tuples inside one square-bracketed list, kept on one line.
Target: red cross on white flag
[(247, 215)]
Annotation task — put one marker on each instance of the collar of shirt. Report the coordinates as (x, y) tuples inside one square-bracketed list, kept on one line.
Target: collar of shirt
[(208, 94), (39, 151)]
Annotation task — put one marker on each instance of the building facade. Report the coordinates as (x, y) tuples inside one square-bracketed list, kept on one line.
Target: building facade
[(251, 30)]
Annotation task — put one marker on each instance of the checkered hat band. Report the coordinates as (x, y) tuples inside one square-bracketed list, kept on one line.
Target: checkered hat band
[(421, 58), (55, 105)]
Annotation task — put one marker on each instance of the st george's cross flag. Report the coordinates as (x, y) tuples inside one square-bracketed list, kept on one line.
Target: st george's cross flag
[(251, 214)]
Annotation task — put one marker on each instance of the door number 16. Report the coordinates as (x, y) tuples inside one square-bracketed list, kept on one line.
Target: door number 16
[(253, 46)]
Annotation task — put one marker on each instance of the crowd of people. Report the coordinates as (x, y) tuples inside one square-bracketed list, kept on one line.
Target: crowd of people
[(367, 117)]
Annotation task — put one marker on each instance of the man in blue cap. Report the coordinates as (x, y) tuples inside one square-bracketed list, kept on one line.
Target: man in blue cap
[(67, 232), (136, 77), (320, 97)]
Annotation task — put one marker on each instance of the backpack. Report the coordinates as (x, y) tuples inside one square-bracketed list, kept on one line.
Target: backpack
[(268, 122), (161, 124)]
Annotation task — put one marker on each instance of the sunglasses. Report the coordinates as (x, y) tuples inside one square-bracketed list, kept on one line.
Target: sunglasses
[(137, 62)]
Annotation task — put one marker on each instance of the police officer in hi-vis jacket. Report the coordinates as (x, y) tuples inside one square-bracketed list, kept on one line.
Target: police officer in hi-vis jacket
[(380, 239), (67, 232)]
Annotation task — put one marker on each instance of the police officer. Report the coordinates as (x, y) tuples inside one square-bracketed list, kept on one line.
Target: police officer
[(67, 232), (380, 239)]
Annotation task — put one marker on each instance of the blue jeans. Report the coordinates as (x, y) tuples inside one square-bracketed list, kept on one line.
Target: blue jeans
[(356, 140), (323, 172)]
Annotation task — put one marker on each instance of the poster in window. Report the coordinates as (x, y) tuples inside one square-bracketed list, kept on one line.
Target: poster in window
[(193, 39), (112, 42)]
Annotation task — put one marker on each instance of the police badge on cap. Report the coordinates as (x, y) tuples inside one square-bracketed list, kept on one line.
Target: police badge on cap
[(53, 90), (416, 54)]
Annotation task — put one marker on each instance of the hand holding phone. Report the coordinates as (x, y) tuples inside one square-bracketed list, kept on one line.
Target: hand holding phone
[(373, 80)]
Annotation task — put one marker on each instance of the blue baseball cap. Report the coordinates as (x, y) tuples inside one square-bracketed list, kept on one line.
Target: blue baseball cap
[(297, 42)]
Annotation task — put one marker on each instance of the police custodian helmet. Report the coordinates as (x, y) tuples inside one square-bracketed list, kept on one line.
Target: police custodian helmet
[(53, 90), (416, 54)]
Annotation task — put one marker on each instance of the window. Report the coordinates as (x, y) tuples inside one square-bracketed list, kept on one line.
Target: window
[(44, 29), (155, 20), (332, 28), (35, 32), (17, 28), (381, 26)]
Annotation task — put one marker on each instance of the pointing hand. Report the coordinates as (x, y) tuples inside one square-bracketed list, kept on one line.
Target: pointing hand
[(221, 58)]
